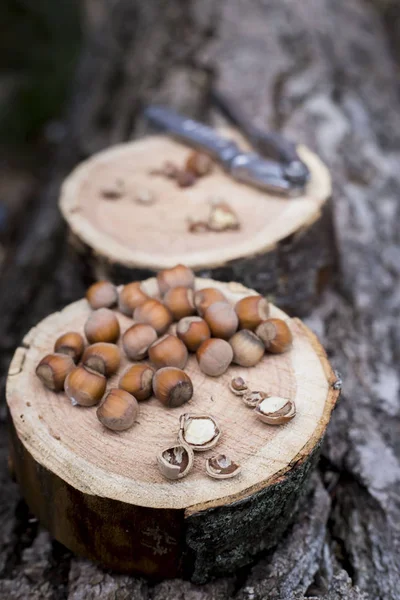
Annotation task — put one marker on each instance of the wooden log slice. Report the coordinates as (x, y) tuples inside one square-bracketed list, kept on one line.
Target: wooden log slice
[(284, 247), (101, 494)]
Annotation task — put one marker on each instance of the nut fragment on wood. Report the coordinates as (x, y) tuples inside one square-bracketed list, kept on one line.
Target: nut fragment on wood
[(168, 170), (238, 386), (222, 467), (185, 178), (222, 217), (113, 190), (175, 462), (144, 197), (200, 432), (275, 410), (252, 398)]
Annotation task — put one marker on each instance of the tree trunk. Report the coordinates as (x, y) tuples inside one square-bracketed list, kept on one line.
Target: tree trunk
[(325, 73)]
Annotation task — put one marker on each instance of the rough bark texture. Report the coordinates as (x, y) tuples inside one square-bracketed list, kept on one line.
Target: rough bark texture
[(327, 74)]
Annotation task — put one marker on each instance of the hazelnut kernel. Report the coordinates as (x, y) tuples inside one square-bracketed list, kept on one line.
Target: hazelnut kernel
[(168, 351), (70, 343), (138, 380), (102, 326), (179, 302), (137, 340), (172, 387), (275, 410), (214, 356), (207, 296), (251, 311), (193, 331), (102, 294), (102, 357), (178, 276), (276, 335), (221, 319), (200, 432), (130, 297), (247, 348), (53, 369), (118, 411), (84, 386), (154, 313)]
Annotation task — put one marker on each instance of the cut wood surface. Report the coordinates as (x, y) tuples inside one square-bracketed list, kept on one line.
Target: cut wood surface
[(70, 442), (123, 232), (325, 74)]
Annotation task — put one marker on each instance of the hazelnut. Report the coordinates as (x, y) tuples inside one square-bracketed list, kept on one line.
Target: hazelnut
[(154, 313), (172, 386), (276, 335), (102, 326), (247, 348), (102, 357), (102, 294), (179, 276), (222, 467), (193, 331), (199, 163), (53, 369), (84, 386), (214, 356), (70, 343), (205, 297), (130, 297), (137, 380), (275, 410), (118, 411), (222, 320), (252, 398), (179, 301), (238, 386), (175, 462), (137, 339), (200, 432), (168, 351), (251, 311)]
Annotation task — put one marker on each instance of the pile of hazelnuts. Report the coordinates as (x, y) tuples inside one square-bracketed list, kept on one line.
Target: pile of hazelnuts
[(207, 324)]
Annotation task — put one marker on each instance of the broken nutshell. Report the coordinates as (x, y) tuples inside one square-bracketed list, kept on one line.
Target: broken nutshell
[(200, 432), (275, 410), (222, 218), (238, 386), (222, 467), (175, 462), (252, 398)]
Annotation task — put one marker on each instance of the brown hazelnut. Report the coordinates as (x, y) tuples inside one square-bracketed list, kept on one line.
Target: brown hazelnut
[(205, 297), (214, 356), (276, 335), (193, 331), (154, 313), (137, 340), (172, 387), (102, 326), (251, 311), (102, 294), (70, 343), (275, 410), (222, 320), (53, 369), (179, 301), (179, 276), (168, 351), (84, 386), (118, 411), (247, 348), (130, 297), (199, 163), (137, 380), (176, 461), (102, 357)]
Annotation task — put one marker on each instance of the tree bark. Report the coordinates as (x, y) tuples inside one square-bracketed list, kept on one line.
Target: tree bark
[(325, 73)]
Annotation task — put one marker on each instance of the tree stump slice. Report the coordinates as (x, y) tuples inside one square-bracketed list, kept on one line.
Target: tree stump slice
[(100, 492), (284, 247)]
